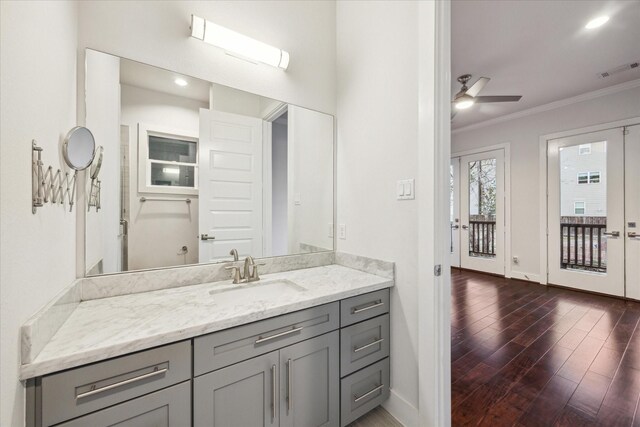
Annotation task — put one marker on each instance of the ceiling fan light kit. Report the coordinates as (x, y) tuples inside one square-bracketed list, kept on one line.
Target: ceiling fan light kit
[(468, 96)]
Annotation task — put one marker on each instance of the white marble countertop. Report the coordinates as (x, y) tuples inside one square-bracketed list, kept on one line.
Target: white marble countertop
[(103, 328)]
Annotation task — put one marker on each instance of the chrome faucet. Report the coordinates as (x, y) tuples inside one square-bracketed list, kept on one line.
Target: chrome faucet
[(248, 274), (234, 253)]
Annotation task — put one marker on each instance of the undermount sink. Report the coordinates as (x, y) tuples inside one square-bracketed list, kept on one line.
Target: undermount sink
[(256, 291)]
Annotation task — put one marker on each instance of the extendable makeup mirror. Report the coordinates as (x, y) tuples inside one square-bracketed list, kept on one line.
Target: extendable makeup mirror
[(79, 148)]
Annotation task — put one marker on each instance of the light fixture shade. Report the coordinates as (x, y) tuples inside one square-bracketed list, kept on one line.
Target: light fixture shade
[(463, 102), (238, 44)]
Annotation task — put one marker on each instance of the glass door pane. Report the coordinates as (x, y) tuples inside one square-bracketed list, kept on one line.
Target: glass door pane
[(482, 208), (583, 207)]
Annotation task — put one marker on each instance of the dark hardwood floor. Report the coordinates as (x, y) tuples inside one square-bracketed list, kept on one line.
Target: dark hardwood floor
[(526, 354)]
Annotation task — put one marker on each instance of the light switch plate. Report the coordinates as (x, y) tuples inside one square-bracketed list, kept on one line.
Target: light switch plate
[(342, 231), (405, 189)]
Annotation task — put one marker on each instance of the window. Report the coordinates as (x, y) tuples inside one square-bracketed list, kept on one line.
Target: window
[(578, 208), (583, 178), (584, 149), (588, 177), (167, 161)]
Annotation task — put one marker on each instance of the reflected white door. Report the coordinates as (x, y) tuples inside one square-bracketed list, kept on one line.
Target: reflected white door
[(454, 211), (632, 210), (586, 212), (230, 180), (482, 212)]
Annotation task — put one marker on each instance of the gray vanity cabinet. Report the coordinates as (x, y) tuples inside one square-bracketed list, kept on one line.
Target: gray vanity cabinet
[(298, 385), (242, 395), (310, 382), (164, 408)]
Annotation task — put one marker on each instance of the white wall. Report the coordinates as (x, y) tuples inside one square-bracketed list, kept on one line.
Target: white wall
[(37, 255), (279, 190), (103, 240), (163, 226), (523, 135), (377, 129), (157, 33), (310, 179)]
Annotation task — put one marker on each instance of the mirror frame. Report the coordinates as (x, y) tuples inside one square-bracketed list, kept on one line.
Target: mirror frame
[(81, 239)]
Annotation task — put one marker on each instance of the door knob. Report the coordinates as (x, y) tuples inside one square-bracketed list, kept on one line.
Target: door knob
[(612, 233), (206, 237), (465, 227)]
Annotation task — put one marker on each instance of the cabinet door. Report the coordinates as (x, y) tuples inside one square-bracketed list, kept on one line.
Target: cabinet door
[(169, 407), (241, 395), (309, 382)]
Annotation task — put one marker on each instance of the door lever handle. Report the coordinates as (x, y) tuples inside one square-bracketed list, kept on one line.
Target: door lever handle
[(465, 227), (206, 237), (633, 235), (612, 233), (455, 227)]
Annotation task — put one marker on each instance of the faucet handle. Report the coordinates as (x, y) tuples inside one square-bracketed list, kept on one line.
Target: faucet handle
[(254, 273), (235, 273)]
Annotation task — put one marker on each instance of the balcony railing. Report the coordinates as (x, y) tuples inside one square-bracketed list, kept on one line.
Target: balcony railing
[(482, 238), (583, 246)]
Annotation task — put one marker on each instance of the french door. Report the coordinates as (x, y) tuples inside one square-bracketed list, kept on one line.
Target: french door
[(478, 209), (593, 211)]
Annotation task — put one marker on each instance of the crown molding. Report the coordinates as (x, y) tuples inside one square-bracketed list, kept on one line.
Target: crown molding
[(553, 105)]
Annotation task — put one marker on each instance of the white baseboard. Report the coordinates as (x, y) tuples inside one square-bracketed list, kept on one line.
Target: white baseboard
[(402, 410), (529, 277)]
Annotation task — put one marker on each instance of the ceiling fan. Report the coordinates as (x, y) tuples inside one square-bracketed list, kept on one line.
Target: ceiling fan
[(469, 96)]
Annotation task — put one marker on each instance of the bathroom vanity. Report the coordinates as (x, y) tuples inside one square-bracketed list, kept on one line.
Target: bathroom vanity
[(307, 347)]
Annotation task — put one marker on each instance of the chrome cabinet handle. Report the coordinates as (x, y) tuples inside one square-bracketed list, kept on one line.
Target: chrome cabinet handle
[(206, 237), (273, 393), (281, 334), (357, 349), (289, 387), (356, 310), (121, 383), (612, 233), (369, 393), (465, 227)]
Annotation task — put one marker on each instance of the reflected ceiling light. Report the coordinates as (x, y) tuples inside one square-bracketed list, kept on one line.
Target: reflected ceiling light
[(173, 171), (596, 22), (463, 102), (180, 81), (238, 44)]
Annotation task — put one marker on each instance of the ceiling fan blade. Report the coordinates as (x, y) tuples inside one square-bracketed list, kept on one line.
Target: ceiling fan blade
[(453, 114), (485, 99), (475, 89)]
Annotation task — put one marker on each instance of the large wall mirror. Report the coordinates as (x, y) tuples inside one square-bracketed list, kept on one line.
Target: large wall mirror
[(192, 170)]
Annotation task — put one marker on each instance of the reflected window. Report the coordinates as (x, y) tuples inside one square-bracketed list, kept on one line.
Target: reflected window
[(172, 162)]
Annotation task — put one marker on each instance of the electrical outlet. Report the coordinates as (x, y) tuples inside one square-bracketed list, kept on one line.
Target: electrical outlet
[(331, 230), (342, 231)]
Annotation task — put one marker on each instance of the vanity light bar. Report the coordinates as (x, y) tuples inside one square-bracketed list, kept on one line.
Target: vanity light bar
[(238, 44)]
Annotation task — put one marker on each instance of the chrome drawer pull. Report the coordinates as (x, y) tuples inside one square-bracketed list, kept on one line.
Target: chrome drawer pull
[(281, 334), (121, 383), (369, 393), (356, 310), (357, 349)]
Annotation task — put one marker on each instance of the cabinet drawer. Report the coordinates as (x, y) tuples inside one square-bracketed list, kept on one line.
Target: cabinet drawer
[(363, 344), (363, 307), (87, 389), (363, 391), (168, 407), (220, 349)]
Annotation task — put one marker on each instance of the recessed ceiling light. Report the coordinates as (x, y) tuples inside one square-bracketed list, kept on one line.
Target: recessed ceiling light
[(180, 81), (596, 22)]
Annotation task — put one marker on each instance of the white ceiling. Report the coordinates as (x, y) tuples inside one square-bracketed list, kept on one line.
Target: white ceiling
[(540, 50), (148, 77)]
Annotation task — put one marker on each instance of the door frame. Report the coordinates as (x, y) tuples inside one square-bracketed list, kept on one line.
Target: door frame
[(506, 147), (543, 168)]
